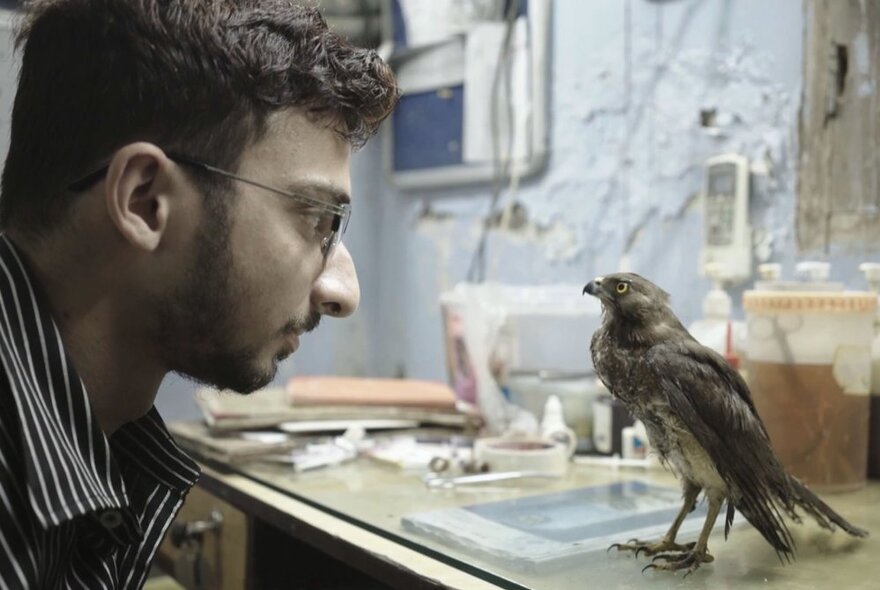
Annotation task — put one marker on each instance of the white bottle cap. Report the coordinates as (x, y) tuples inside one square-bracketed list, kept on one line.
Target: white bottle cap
[(553, 426), (717, 304), (770, 271), (713, 270), (813, 270), (553, 418), (872, 273)]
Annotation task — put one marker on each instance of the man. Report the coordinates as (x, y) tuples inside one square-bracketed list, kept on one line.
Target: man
[(176, 187)]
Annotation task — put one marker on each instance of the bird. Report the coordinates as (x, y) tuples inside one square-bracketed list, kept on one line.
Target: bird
[(702, 422)]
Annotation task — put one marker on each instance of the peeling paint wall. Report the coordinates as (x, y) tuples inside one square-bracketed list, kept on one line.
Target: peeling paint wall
[(627, 152)]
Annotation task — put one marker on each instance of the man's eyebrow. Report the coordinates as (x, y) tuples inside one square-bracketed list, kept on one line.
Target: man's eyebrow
[(321, 191)]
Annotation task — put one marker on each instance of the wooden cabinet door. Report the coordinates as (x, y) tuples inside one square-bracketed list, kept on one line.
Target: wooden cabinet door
[(221, 552)]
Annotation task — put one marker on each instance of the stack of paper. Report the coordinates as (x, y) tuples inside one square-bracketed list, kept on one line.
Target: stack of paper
[(426, 402), (336, 399), (226, 410), (231, 447)]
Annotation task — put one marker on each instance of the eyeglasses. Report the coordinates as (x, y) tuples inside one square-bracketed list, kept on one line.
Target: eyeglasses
[(330, 219)]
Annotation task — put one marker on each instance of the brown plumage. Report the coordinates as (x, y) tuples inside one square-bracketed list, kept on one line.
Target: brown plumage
[(700, 418)]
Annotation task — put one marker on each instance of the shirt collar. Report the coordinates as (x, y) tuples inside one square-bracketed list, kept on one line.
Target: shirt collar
[(147, 444), (71, 466)]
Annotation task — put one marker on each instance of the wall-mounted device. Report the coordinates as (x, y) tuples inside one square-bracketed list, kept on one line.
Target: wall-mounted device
[(454, 124), (727, 238)]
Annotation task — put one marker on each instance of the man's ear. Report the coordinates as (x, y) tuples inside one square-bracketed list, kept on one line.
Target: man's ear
[(135, 192)]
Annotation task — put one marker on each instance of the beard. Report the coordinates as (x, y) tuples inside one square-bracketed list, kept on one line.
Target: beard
[(197, 328)]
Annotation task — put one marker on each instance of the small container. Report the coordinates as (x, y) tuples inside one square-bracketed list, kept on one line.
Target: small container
[(813, 277), (808, 363), (610, 419), (872, 275), (531, 389), (490, 328), (554, 428), (634, 441)]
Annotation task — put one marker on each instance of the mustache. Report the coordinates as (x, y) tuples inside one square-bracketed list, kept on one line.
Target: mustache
[(303, 325)]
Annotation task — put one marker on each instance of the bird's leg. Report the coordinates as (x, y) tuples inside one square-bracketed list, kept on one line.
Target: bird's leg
[(668, 543), (690, 560)]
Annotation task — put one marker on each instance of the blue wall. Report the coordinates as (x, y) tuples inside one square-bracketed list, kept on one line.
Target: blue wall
[(625, 166)]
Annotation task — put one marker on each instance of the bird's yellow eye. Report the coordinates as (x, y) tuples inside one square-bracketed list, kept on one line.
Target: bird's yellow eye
[(622, 288)]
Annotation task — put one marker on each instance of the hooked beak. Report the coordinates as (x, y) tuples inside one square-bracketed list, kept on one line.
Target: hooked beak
[(593, 287)]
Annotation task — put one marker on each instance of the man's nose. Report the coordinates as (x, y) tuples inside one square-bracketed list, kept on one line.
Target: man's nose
[(336, 292)]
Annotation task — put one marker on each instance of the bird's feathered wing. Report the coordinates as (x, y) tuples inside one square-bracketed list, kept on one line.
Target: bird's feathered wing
[(711, 398)]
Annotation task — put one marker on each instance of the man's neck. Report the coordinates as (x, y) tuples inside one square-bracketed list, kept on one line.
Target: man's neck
[(103, 333)]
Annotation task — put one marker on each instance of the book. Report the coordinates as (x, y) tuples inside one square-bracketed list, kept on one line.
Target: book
[(230, 448), (351, 391), (226, 411)]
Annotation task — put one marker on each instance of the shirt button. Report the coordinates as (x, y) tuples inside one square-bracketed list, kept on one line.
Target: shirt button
[(110, 519)]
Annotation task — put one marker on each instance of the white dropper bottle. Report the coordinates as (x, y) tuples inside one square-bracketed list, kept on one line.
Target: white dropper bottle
[(553, 426), (711, 329)]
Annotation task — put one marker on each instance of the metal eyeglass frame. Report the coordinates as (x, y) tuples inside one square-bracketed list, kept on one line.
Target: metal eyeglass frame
[(341, 212)]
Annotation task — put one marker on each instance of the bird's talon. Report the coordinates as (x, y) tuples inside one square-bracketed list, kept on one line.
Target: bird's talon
[(690, 561), (650, 566), (670, 549)]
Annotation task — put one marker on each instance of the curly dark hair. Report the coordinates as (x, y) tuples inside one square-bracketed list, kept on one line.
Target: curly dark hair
[(197, 76)]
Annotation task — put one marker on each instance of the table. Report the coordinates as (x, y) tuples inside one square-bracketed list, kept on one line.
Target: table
[(354, 513)]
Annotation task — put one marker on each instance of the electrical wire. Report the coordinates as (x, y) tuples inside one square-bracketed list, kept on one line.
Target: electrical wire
[(500, 166)]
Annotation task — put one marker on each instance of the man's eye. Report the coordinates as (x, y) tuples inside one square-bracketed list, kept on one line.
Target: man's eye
[(323, 223), (319, 222)]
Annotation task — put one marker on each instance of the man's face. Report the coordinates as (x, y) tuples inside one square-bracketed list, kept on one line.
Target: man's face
[(257, 277)]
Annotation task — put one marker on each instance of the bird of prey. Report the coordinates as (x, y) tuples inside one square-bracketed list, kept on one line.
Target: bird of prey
[(700, 418)]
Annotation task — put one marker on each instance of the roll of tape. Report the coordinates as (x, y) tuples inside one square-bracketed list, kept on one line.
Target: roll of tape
[(505, 454)]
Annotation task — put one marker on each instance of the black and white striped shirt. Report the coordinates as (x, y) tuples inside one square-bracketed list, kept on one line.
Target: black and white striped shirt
[(77, 510)]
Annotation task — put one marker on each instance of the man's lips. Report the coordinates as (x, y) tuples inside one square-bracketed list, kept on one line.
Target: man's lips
[(292, 338)]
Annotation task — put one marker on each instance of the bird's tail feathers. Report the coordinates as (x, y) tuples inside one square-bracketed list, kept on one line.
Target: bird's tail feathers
[(768, 520), (728, 521), (819, 510)]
